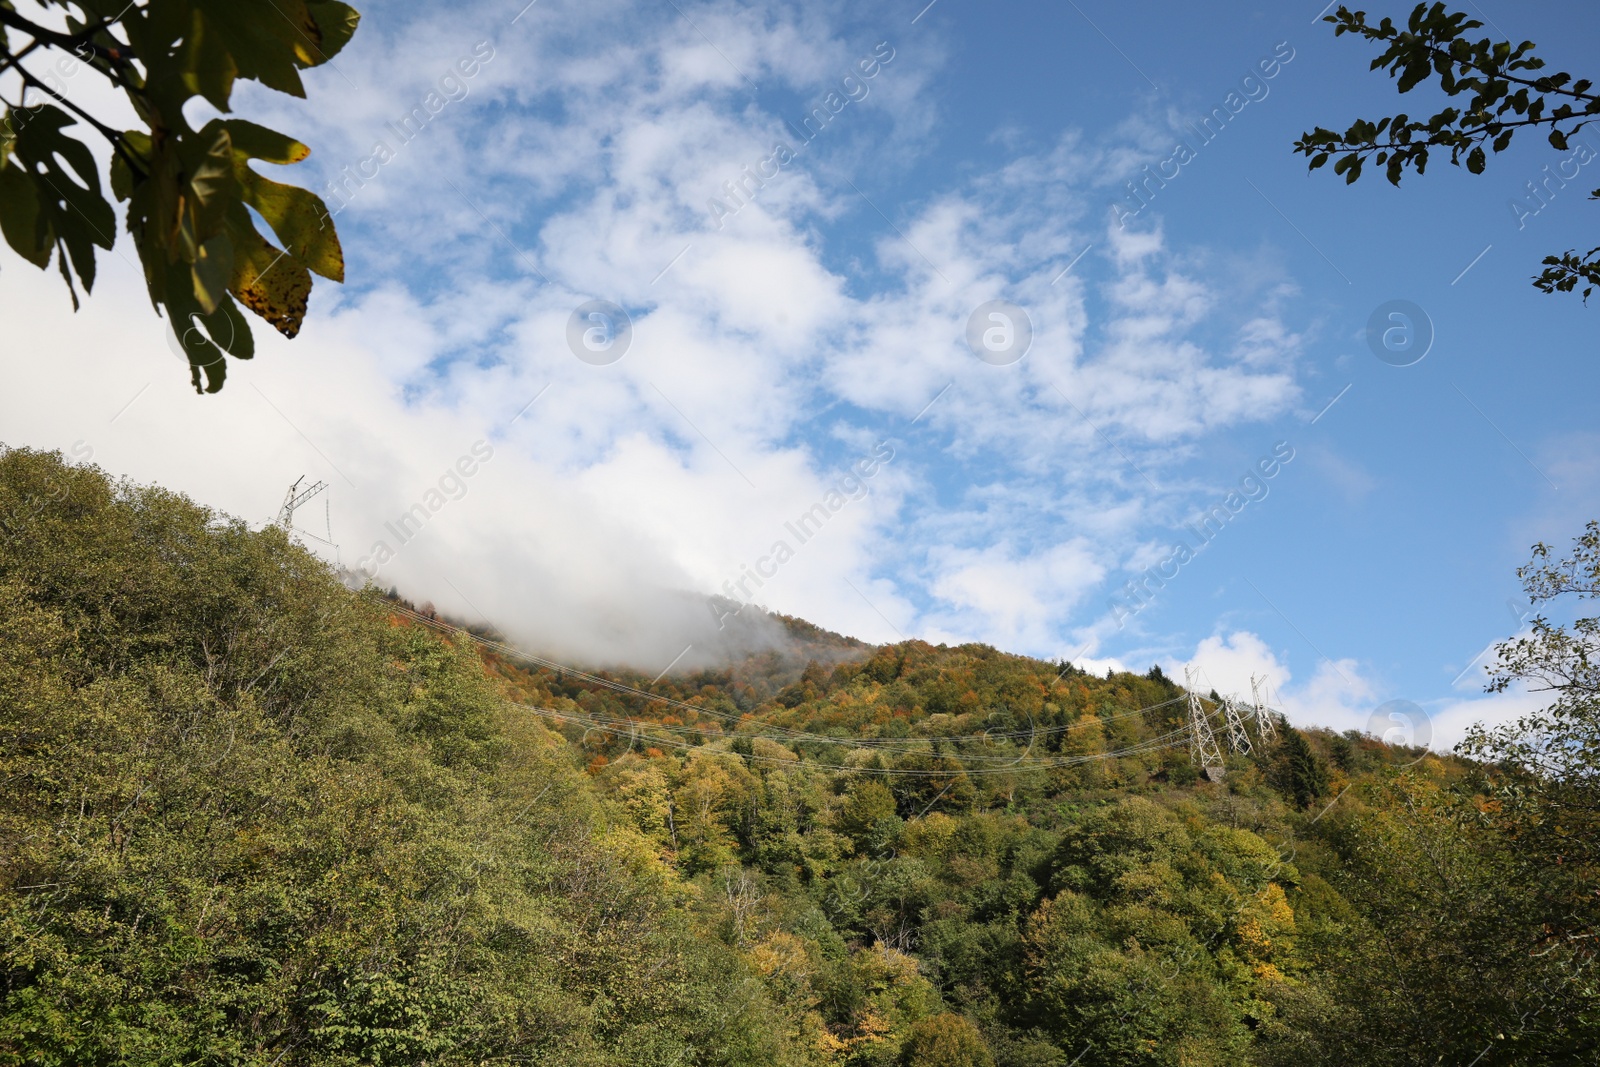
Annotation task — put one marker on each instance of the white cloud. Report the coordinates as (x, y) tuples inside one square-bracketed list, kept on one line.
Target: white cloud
[(1453, 718), (1100, 666), (1338, 696), (1011, 601), (762, 362)]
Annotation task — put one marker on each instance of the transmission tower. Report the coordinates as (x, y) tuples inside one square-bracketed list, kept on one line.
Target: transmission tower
[(1203, 747), (1266, 729), (295, 498), (1238, 736)]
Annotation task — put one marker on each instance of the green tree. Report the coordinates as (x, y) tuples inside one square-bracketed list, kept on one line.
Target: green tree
[(1438, 947), (1548, 802), (190, 193), (1560, 743), (1304, 775), (931, 781), (868, 817), (947, 1040), (1504, 92)]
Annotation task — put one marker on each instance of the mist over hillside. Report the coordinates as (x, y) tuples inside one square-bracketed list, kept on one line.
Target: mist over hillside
[(739, 635)]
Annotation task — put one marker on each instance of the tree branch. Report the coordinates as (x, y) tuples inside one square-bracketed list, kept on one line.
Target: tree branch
[(1345, 22), (118, 145), (115, 63), (13, 60), (70, 42), (110, 134), (1531, 83), (1487, 130)]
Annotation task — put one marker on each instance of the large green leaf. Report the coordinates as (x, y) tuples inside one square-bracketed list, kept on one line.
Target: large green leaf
[(212, 272), (258, 142), (211, 187), (297, 217), (77, 215), (207, 337), (267, 280), (208, 70), (20, 220), (337, 22), (266, 41)]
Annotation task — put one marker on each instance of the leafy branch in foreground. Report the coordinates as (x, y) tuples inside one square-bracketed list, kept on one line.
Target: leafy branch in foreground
[(190, 193), (1563, 742), (1553, 755), (1505, 94)]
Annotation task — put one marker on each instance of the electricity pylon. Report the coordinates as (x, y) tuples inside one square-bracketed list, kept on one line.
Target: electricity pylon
[(1203, 747), (1266, 729), (295, 498), (1238, 736)]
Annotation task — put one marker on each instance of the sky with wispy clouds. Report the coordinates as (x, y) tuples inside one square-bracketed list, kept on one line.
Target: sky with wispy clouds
[(806, 213)]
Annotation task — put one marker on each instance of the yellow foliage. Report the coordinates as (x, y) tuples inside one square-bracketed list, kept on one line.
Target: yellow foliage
[(832, 1047), (781, 953), (766, 749), (642, 788), (1252, 936), (929, 835), (871, 1029), (634, 852), (883, 967), (1265, 925), (1277, 906)]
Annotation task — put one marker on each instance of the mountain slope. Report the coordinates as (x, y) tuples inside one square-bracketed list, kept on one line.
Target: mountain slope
[(247, 819), (250, 816)]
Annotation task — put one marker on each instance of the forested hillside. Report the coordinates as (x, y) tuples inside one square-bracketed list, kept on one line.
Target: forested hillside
[(248, 816)]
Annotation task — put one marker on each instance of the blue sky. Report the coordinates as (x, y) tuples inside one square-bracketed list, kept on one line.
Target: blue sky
[(776, 345)]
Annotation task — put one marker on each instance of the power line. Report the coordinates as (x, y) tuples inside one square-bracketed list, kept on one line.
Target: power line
[(612, 727), (798, 735), (631, 727)]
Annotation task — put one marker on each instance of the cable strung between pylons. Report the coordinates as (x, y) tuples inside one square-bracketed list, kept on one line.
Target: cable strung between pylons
[(1178, 738), (793, 736)]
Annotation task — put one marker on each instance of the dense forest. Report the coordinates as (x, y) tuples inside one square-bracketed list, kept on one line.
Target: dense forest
[(251, 816)]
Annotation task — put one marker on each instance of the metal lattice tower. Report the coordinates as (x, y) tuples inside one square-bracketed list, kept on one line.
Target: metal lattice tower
[(1203, 747), (1238, 736), (295, 498), (1266, 729)]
